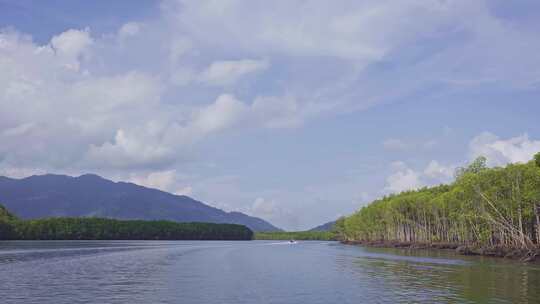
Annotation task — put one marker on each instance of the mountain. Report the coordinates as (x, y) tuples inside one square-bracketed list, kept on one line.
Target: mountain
[(90, 195), (324, 227)]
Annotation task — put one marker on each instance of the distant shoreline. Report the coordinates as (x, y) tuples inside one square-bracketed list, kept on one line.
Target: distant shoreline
[(83, 228), (296, 235)]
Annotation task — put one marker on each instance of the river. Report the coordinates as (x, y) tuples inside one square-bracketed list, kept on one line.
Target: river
[(253, 272)]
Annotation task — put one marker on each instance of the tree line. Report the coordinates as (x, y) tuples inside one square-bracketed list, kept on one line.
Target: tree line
[(484, 206), (296, 235), (12, 228)]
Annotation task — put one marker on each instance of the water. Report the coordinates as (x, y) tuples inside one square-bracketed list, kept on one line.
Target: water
[(253, 272)]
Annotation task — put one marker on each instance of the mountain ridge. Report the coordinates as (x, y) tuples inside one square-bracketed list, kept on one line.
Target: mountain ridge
[(90, 195), (324, 227)]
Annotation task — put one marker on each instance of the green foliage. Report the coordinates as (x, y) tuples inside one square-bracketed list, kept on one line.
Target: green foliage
[(296, 235), (110, 229), (7, 229), (488, 207), (537, 159), (6, 215), (477, 166)]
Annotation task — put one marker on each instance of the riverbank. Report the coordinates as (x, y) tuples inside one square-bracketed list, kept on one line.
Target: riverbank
[(524, 255)]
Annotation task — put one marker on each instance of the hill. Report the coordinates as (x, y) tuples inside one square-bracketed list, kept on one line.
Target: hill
[(324, 227), (89, 195)]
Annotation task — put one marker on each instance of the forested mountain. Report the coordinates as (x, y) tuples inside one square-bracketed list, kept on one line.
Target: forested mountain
[(324, 227), (484, 206), (93, 196)]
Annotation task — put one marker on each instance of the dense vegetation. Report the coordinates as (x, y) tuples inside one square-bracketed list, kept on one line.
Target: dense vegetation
[(297, 235), (106, 229), (483, 206), (7, 230)]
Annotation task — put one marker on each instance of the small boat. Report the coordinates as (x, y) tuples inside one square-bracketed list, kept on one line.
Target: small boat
[(292, 242)]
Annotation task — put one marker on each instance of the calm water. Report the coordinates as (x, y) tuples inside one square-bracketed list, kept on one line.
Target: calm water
[(253, 272)]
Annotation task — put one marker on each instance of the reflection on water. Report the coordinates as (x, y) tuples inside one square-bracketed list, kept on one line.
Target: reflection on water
[(448, 278), (253, 272)]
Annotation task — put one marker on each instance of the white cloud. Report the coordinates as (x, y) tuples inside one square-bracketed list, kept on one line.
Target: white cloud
[(167, 180), (405, 179), (93, 95), (499, 152), (129, 29), (225, 112), (502, 151), (439, 172), (66, 113), (71, 42), (272, 211), (264, 208), (228, 72), (344, 30), (187, 190), (162, 180), (277, 112), (70, 45), (128, 151), (20, 172)]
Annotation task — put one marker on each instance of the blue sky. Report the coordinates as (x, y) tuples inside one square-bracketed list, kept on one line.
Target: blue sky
[(294, 111)]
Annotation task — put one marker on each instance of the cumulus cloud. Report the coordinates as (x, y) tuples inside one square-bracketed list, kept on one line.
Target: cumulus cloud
[(225, 112), (90, 121), (162, 180), (502, 151), (167, 180), (499, 152), (70, 45), (71, 113), (128, 151), (272, 211), (96, 101), (439, 172), (402, 180), (405, 178)]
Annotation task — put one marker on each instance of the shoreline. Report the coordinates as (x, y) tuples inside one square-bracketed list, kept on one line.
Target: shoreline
[(523, 255)]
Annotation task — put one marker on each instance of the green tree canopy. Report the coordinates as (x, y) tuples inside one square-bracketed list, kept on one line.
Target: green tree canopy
[(477, 166), (484, 206), (537, 159)]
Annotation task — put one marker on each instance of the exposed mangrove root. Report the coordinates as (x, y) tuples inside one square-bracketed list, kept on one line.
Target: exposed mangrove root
[(496, 251)]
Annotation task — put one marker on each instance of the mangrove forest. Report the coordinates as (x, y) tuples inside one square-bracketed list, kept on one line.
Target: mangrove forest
[(12, 228), (484, 207)]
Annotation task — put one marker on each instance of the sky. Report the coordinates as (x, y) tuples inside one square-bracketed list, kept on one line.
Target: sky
[(297, 112)]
